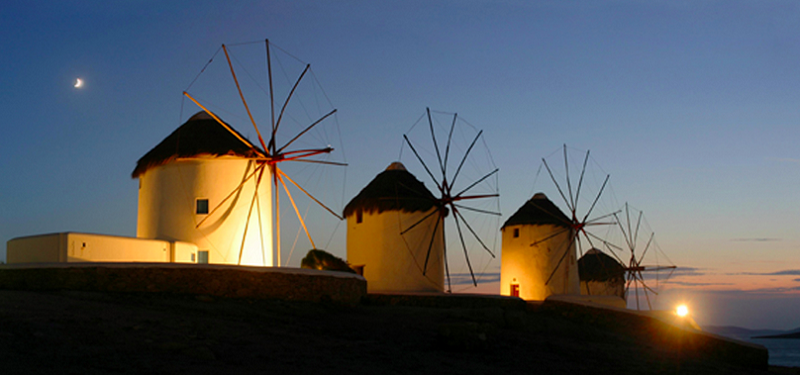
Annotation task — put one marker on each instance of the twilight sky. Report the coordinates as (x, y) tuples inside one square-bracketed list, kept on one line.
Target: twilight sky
[(691, 107)]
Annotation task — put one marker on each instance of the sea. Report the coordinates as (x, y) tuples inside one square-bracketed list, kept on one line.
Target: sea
[(782, 352)]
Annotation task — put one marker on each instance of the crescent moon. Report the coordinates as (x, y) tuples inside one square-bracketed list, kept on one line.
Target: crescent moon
[(78, 83)]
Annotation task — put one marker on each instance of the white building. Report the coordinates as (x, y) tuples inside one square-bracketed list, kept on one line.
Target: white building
[(391, 225), (535, 240)]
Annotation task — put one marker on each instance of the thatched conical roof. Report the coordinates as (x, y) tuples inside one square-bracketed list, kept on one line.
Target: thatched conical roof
[(538, 211), (393, 189), (200, 135), (595, 265)]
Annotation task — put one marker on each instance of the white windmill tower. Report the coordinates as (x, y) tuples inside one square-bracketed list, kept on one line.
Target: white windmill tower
[(464, 203), (392, 261), (601, 275), (200, 164), (541, 244), (535, 240), (206, 183)]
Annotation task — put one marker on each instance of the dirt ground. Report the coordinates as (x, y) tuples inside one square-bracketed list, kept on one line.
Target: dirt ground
[(69, 332)]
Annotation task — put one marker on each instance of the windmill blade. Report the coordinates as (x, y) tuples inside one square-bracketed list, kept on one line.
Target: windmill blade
[(648, 245), (657, 268), (446, 263), (569, 184), (477, 210), (449, 138), (299, 217), (336, 163), (299, 154), (560, 260), (224, 125), (580, 181), (464, 246), (435, 181), (261, 231), (560, 191), (273, 169), (237, 189), (466, 223), (478, 181), (638, 224), (624, 233), (430, 245), (596, 198), (596, 220), (553, 235), (271, 94), (630, 232), (305, 130), (307, 193), (418, 222), (249, 213), (645, 289), (435, 145), (466, 154), (608, 245), (286, 103), (241, 95)]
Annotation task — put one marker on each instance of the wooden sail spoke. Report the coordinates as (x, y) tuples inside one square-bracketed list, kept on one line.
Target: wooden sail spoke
[(466, 223), (466, 254), (224, 125), (241, 95), (305, 130), (286, 103), (435, 181), (308, 194), (435, 145), (299, 217)]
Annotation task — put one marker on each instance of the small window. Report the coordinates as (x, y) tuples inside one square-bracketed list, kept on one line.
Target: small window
[(516, 232), (202, 257), (202, 206), (359, 216)]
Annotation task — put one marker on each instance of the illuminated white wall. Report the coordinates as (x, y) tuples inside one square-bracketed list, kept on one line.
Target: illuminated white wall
[(530, 266), (167, 208), (70, 247), (393, 262)]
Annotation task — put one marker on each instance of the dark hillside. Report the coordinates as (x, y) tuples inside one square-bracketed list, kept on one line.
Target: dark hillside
[(99, 333)]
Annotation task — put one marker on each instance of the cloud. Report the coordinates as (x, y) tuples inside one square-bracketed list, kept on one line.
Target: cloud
[(686, 283), (689, 271), (778, 273), (466, 278), (757, 239)]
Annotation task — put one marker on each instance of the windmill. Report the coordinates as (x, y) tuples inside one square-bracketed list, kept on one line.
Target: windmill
[(639, 241), (453, 153), (579, 222), (299, 133), (540, 241)]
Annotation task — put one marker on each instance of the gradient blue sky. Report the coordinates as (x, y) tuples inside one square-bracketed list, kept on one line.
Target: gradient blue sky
[(692, 107)]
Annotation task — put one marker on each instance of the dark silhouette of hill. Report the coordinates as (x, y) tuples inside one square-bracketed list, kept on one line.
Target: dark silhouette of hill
[(99, 333)]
